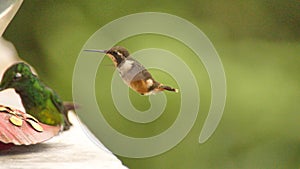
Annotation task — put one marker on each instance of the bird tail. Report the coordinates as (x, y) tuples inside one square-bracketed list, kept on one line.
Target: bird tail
[(163, 87), (68, 106)]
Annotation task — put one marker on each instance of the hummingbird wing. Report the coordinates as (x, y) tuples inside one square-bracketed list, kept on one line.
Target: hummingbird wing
[(131, 70), (57, 102)]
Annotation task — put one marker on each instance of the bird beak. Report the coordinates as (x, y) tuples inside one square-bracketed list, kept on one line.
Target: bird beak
[(95, 50)]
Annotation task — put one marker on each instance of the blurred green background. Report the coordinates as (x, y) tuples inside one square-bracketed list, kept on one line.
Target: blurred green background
[(258, 43)]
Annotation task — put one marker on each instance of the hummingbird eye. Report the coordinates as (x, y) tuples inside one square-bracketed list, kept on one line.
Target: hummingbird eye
[(17, 76), (117, 53)]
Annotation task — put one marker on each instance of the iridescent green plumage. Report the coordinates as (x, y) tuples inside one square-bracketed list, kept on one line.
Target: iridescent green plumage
[(37, 99)]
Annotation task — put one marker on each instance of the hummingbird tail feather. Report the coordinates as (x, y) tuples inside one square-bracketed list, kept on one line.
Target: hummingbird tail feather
[(69, 106), (169, 89)]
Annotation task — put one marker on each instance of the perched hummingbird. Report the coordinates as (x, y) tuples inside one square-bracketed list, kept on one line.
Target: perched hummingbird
[(133, 73), (37, 99)]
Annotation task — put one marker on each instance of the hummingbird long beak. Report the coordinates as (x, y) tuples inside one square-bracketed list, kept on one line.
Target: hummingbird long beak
[(95, 50)]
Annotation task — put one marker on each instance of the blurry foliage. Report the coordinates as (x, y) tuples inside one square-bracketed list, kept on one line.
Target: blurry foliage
[(257, 40), (49, 34)]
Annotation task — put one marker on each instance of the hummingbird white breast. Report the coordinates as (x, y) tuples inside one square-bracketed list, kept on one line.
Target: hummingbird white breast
[(129, 69)]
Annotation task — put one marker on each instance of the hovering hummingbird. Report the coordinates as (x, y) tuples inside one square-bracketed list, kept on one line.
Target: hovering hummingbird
[(37, 99), (133, 73)]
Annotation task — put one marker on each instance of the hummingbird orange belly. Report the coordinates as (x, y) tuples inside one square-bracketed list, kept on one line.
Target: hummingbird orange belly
[(139, 86)]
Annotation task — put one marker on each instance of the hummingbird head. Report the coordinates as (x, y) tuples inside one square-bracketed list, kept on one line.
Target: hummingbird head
[(117, 54), (16, 76)]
